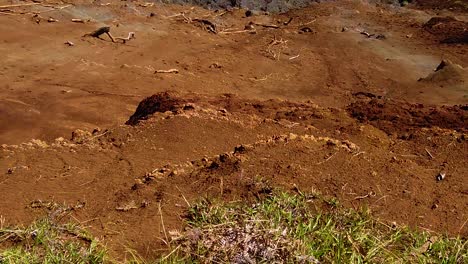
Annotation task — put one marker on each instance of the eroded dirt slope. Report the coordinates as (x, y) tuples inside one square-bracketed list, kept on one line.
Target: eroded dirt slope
[(233, 148)]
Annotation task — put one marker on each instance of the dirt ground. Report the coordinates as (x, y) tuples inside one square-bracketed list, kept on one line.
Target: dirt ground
[(346, 98)]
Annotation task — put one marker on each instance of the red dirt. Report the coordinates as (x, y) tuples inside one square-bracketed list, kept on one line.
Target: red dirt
[(453, 5), (337, 112), (448, 30), (391, 116)]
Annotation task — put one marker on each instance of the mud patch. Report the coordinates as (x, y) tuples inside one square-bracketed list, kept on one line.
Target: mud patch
[(396, 117)]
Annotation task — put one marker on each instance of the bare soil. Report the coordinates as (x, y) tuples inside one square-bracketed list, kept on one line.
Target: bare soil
[(346, 108)]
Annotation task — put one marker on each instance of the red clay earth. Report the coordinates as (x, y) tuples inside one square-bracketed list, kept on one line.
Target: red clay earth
[(448, 29), (244, 115)]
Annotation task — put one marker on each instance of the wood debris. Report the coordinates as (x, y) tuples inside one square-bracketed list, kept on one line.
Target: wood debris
[(276, 47), (77, 20), (97, 33), (131, 35), (127, 207), (167, 71), (207, 25), (266, 25)]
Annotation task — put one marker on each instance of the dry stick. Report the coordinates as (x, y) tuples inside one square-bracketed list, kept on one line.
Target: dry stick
[(461, 227), (429, 153), (176, 15), (370, 194), (327, 158), (53, 9), (287, 22), (383, 197), (162, 222), (221, 185), (185, 199), (131, 35), (266, 25), (308, 23), (18, 5), (171, 253), (236, 32), (167, 71)]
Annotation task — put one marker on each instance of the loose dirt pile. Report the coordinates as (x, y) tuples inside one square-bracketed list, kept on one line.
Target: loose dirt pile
[(448, 30), (454, 5), (397, 117), (447, 73)]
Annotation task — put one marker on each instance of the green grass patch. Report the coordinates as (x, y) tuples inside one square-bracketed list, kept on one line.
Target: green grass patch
[(46, 241), (295, 228)]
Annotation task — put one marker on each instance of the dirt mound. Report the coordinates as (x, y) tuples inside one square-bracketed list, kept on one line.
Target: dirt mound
[(160, 102), (448, 29), (447, 72), (454, 5), (225, 104), (396, 117)]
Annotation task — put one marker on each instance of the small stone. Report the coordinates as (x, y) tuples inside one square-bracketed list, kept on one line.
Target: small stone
[(440, 176)]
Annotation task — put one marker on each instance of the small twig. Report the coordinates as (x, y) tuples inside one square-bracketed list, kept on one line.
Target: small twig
[(287, 22), (168, 255), (222, 13), (167, 71), (221, 186), (370, 194), (162, 222), (86, 183), (176, 15), (308, 23), (53, 9), (366, 34), (294, 57), (429, 153), (383, 197), (461, 227), (237, 32), (77, 20), (185, 199), (19, 5), (131, 35), (327, 158), (267, 25), (7, 13)]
